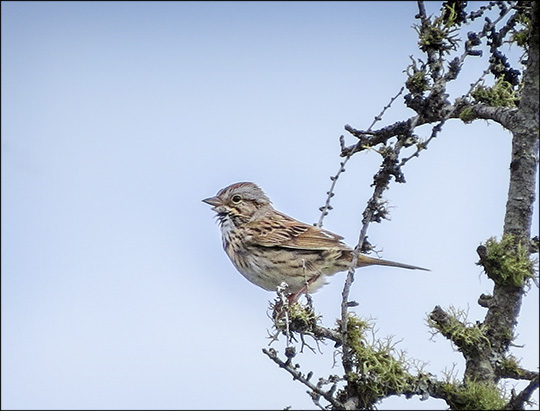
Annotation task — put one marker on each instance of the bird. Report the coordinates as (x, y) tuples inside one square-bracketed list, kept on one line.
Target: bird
[(270, 248)]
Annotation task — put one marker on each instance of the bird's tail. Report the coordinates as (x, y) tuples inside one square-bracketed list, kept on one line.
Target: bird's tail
[(364, 260)]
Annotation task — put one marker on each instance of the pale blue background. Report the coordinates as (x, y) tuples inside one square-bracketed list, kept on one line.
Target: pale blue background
[(118, 118)]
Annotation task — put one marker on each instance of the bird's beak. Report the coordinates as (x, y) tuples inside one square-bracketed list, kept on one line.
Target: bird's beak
[(213, 201)]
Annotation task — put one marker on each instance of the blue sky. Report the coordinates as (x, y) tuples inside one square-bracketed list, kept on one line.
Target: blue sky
[(119, 117)]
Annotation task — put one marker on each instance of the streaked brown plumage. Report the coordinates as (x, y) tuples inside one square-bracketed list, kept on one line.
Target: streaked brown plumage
[(269, 247)]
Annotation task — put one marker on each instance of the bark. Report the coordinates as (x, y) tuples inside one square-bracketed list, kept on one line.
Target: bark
[(524, 126)]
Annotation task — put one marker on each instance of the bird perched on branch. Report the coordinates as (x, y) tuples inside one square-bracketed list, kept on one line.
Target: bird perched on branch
[(269, 247)]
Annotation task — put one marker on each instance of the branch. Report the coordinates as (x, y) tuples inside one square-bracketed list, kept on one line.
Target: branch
[(518, 402), (524, 127), (357, 147), (368, 139), (518, 373), (468, 338), (502, 115), (323, 332), (297, 375)]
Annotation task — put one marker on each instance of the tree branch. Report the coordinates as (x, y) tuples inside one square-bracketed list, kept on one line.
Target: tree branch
[(297, 375), (501, 115), (518, 402)]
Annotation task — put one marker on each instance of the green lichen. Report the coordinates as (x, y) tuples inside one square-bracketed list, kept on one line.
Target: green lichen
[(417, 82), (457, 329), (467, 115), (521, 36), (506, 262), (473, 395), (379, 369), (502, 94), (510, 365), (453, 12), (436, 36), (295, 316)]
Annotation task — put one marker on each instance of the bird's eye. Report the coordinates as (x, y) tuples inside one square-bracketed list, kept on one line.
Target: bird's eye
[(236, 199)]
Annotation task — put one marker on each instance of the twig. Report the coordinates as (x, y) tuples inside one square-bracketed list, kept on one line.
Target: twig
[(330, 193), (297, 375), (517, 402)]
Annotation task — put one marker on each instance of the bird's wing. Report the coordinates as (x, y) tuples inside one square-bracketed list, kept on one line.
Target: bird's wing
[(280, 230)]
